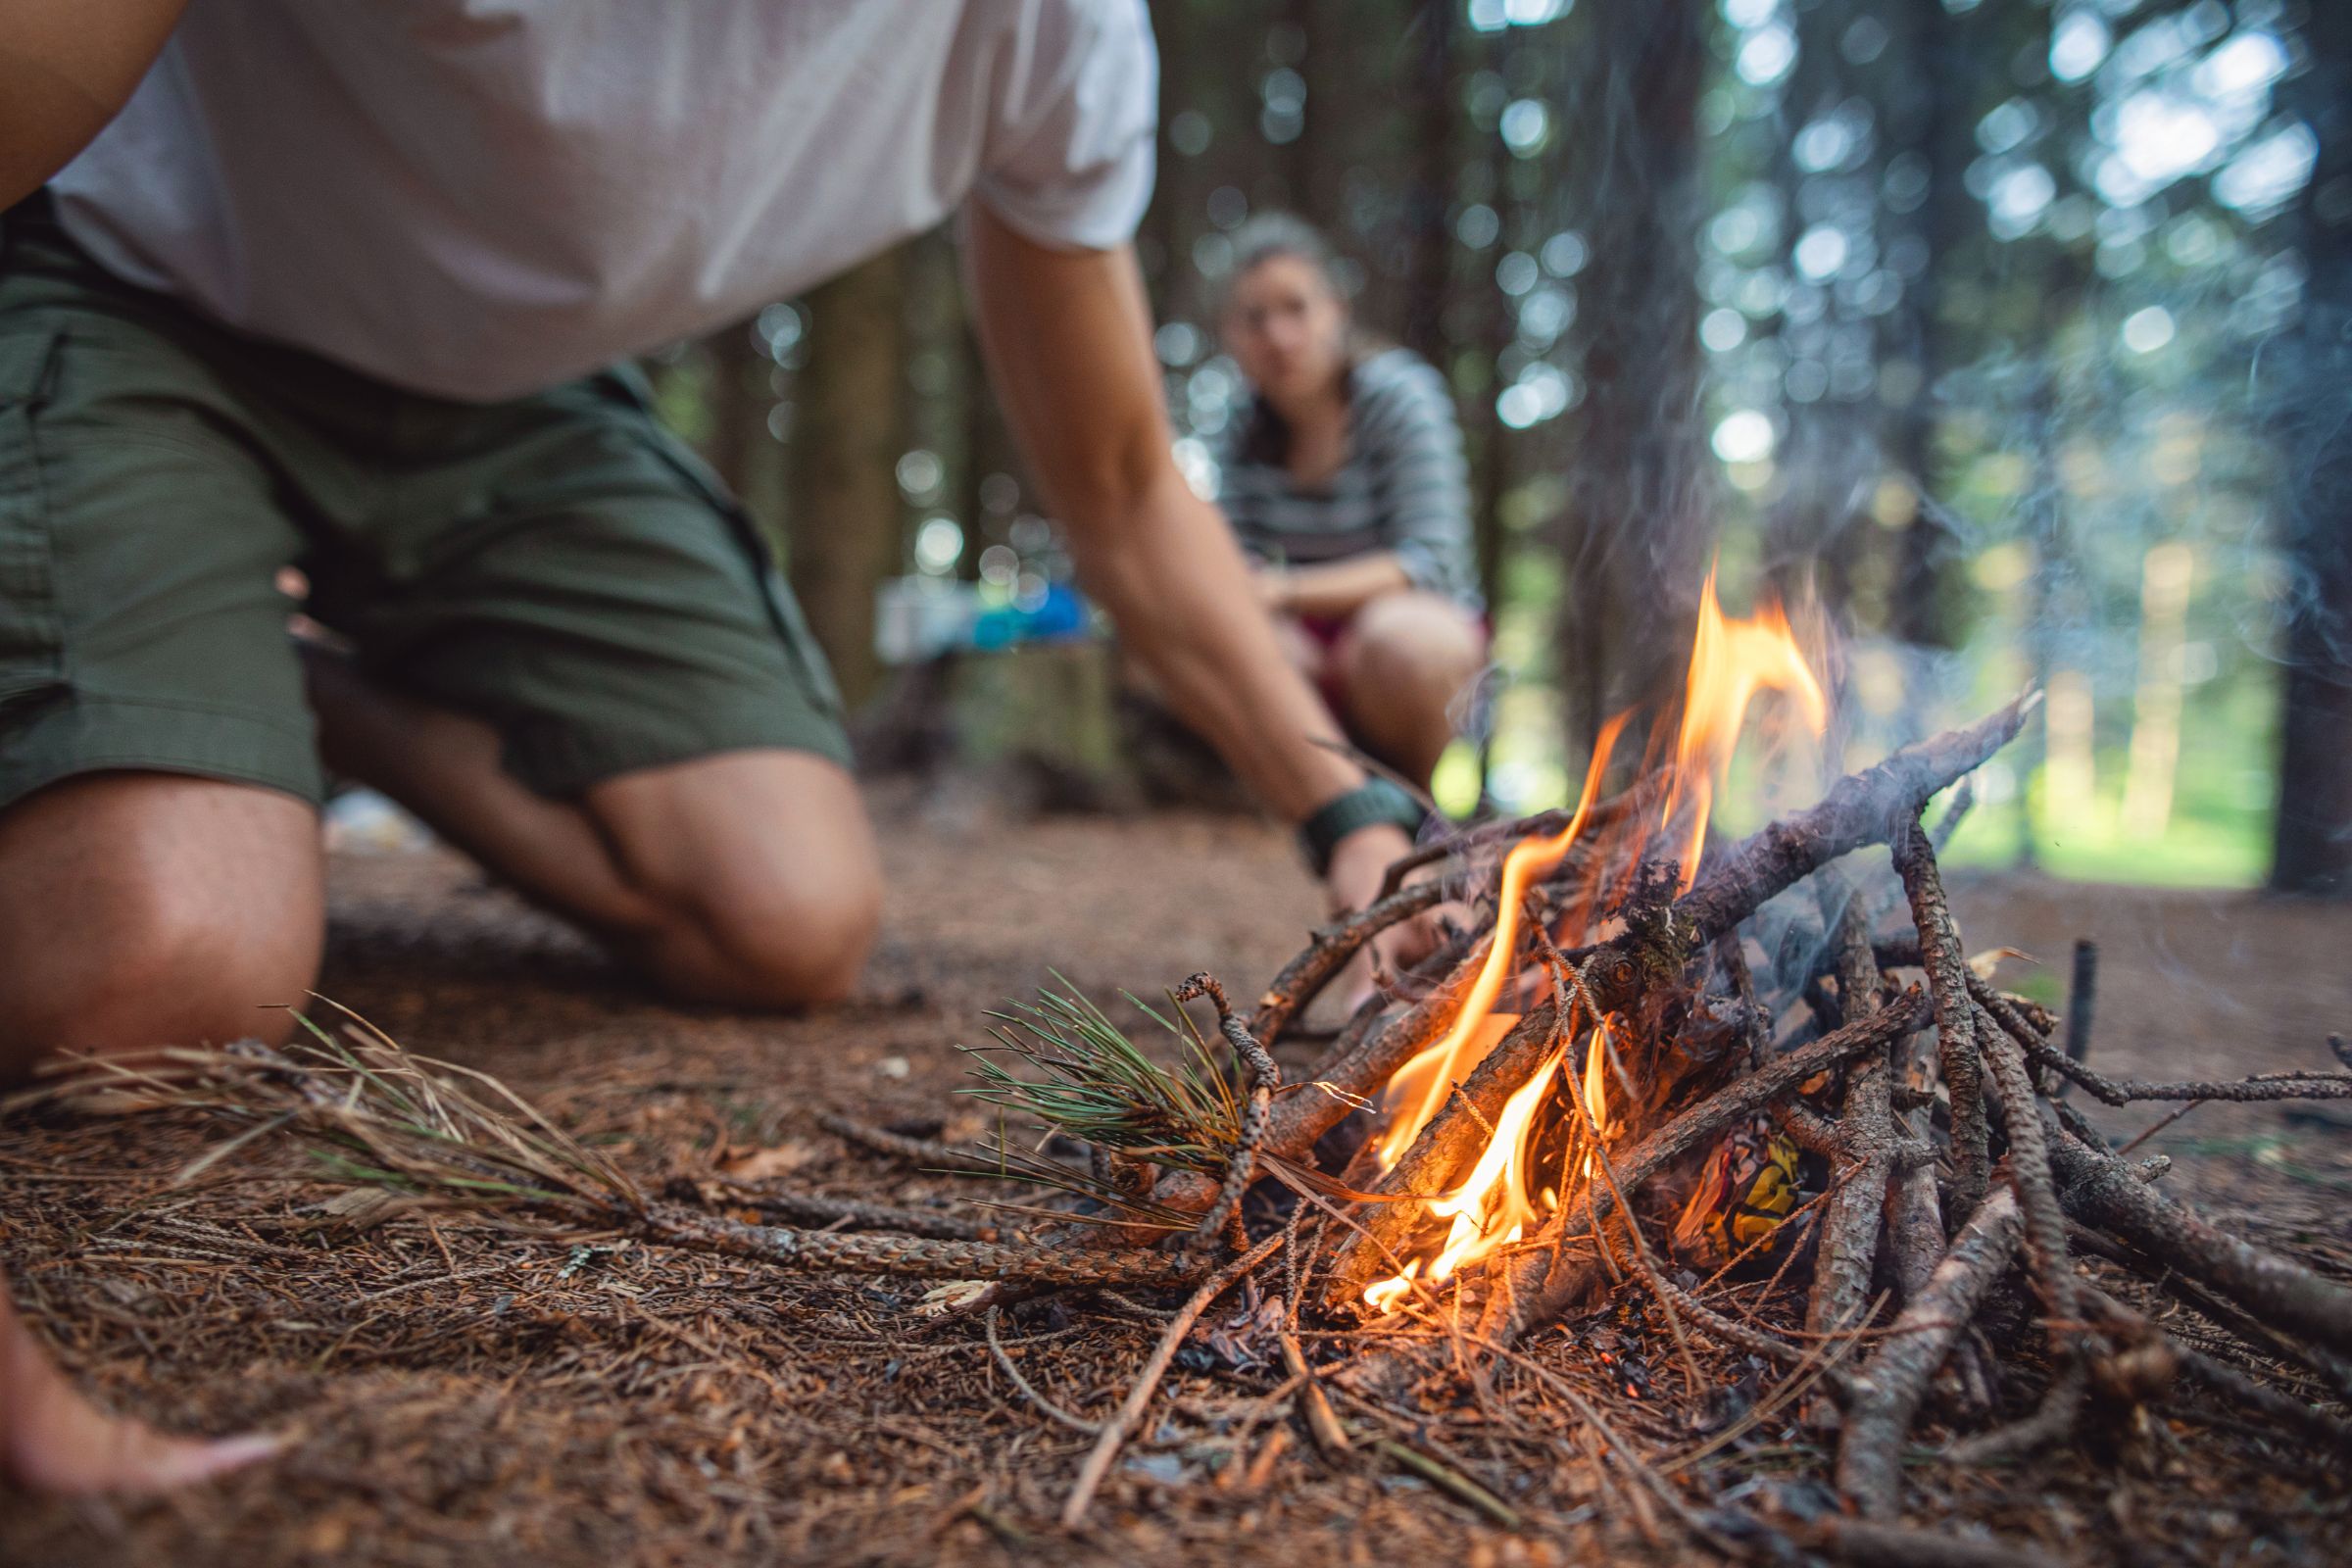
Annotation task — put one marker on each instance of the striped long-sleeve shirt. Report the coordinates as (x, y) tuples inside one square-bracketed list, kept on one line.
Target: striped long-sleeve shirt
[(1402, 486)]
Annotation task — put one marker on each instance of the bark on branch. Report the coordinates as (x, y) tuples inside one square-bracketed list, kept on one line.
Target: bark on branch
[(1890, 1386)]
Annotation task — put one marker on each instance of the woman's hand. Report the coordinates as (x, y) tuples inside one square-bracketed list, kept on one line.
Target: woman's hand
[(1275, 590)]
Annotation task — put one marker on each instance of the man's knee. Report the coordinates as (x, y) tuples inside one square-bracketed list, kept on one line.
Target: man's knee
[(150, 911), (761, 874), (790, 943), (182, 968)]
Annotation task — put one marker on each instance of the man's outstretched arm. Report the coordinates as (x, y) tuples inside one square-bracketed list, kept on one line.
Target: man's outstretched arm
[(1069, 341), (67, 67)]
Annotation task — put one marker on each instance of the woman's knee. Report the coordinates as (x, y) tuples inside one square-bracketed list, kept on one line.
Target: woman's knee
[(1412, 643)]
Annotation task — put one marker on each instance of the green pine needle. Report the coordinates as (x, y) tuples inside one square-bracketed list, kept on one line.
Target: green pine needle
[(1087, 1079)]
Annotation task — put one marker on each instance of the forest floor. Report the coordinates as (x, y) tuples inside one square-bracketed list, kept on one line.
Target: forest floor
[(460, 1395)]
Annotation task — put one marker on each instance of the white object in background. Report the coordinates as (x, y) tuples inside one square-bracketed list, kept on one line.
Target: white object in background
[(919, 616), (363, 822)]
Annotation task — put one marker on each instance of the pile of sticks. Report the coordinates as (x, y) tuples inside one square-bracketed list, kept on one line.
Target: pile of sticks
[(1937, 1106)]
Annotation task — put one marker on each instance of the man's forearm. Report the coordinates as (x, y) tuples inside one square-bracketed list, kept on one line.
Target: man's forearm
[(67, 67), (1177, 586)]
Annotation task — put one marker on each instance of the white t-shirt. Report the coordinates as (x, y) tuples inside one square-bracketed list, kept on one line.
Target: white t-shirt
[(480, 198)]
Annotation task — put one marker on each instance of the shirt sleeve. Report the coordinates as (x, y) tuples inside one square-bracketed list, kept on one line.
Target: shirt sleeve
[(1073, 135), (1408, 434)]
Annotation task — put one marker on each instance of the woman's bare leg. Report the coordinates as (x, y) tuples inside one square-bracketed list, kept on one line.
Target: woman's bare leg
[(1407, 658)]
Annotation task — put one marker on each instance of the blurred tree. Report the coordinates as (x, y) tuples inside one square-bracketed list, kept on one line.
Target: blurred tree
[(2312, 373), (740, 442), (1641, 512), (844, 519), (1927, 131), (1435, 108)]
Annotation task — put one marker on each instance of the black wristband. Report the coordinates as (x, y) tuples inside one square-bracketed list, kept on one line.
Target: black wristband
[(1374, 801)]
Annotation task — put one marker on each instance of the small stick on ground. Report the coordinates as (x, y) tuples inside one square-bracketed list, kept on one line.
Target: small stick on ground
[(1885, 1545), (810, 1209), (921, 1152), (2269, 1404), (1451, 1481), (2082, 1001), (915, 1256), (1117, 1429), (2313, 1083), (1264, 1078), (2104, 1192), (995, 1348), (1322, 1422), (2046, 1259)]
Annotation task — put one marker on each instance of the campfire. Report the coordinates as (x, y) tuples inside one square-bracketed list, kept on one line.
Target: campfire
[(1647, 1063)]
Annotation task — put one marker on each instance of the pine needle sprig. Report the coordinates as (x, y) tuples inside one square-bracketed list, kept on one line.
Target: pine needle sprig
[(1085, 1078), (375, 1115)]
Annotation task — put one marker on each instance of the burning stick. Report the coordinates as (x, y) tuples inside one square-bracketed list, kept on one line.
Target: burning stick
[(1528, 1054), (1570, 1277)]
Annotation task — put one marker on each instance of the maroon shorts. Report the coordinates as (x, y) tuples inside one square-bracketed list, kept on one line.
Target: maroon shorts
[(1326, 631)]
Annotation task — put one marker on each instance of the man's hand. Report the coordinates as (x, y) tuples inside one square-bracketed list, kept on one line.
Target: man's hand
[(1358, 864), (1273, 586)]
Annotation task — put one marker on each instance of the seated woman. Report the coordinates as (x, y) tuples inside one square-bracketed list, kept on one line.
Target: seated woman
[(1344, 478)]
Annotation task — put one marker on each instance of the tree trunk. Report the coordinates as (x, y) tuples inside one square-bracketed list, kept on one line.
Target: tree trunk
[(844, 521), (2312, 850), (1429, 257), (1639, 502), (739, 444), (1921, 611)]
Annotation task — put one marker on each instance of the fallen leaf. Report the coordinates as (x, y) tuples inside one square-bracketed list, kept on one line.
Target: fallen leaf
[(763, 1165)]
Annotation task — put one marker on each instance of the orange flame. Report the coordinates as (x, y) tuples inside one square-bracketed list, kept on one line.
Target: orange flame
[(1597, 1094), (1421, 1085), (1494, 1208), (1730, 661)]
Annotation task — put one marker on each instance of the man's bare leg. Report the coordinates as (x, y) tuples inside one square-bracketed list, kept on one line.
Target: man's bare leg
[(53, 1440), (153, 908), (747, 877), (143, 910)]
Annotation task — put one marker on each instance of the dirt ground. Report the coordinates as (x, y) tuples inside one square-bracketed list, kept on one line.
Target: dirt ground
[(460, 1396)]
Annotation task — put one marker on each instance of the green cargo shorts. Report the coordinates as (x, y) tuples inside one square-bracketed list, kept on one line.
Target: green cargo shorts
[(559, 565)]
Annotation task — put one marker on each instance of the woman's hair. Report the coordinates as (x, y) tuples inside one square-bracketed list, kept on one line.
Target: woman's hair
[(1264, 435), (1271, 235)]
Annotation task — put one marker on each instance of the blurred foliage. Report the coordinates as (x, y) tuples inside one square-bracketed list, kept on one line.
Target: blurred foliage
[(1979, 289)]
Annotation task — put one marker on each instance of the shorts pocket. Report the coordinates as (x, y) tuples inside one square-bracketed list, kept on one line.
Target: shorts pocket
[(32, 631)]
